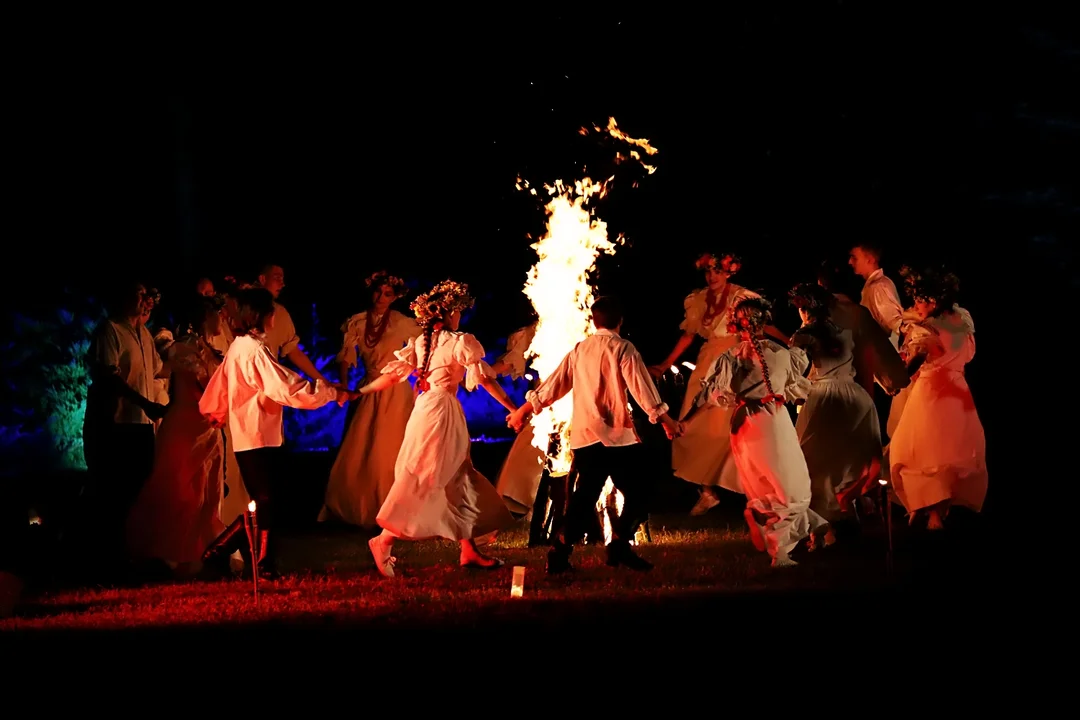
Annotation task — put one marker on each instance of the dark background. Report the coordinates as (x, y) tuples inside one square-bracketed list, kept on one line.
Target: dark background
[(335, 146)]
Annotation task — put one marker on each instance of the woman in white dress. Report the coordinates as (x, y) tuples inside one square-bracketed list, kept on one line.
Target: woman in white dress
[(437, 492), (937, 454), (753, 380), (702, 455), (838, 427), (176, 514), (363, 471)]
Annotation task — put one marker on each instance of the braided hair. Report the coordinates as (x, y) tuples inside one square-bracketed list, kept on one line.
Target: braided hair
[(751, 316), (431, 334)]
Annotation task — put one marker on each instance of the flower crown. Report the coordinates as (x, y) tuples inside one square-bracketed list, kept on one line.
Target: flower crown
[(713, 260), (381, 277), (750, 315), (931, 284), (809, 296), (446, 297)]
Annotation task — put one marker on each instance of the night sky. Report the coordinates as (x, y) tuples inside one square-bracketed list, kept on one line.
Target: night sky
[(338, 147)]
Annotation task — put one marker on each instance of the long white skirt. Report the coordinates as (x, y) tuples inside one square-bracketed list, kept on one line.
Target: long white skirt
[(774, 476), (437, 493)]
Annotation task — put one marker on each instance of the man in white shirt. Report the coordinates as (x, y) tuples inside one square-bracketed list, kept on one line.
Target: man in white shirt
[(602, 368), (879, 294), (118, 427)]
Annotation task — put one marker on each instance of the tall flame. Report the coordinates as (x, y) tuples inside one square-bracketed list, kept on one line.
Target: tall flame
[(558, 286)]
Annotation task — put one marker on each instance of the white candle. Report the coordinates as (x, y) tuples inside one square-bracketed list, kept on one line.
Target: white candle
[(517, 588)]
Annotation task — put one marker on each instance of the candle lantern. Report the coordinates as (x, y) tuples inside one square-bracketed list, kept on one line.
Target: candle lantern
[(517, 587)]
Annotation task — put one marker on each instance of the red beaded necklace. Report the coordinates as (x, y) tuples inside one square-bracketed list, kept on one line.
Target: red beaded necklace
[(713, 307), (374, 331)]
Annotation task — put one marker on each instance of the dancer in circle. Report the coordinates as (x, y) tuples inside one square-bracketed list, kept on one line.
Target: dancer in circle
[(754, 379), (937, 454), (702, 456), (838, 427), (363, 471), (437, 493)]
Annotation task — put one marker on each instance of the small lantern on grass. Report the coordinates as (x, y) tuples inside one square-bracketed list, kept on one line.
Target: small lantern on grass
[(517, 586)]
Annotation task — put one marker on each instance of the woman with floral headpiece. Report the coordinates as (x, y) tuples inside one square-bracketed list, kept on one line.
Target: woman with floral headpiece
[(702, 456), (838, 427), (363, 472), (437, 493), (937, 454), (754, 380)]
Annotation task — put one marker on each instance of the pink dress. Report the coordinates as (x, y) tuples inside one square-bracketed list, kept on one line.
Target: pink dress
[(176, 514)]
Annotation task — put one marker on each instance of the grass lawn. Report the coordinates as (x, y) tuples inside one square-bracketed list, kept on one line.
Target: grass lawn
[(702, 566)]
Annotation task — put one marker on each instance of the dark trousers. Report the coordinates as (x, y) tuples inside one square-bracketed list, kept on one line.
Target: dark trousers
[(260, 469), (119, 460), (594, 465)]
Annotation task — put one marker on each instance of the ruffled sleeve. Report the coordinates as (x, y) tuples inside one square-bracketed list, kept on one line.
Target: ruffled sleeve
[(694, 307), (516, 346), (469, 353), (918, 341), (797, 386), (404, 361), (353, 331), (716, 388)]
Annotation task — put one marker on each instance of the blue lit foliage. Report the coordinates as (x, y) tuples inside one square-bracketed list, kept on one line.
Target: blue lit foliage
[(322, 429), (45, 383)]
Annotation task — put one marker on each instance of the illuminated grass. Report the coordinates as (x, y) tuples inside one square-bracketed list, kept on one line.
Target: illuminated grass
[(333, 580)]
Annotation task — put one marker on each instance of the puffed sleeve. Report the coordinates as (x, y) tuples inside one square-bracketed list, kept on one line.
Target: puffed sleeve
[(694, 307), (716, 388), (516, 346), (470, 353), (404, 363), (352, 331), (797, 386)]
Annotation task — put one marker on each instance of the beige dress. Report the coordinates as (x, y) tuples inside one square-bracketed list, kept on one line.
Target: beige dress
[(363, 472), (938, 451), (437, 492), (838, 427), (519, 477), (703, 454), (764, 443)]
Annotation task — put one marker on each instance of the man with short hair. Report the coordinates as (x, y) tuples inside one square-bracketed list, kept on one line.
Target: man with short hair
[(282, 339), (601, 369), (879, 294)]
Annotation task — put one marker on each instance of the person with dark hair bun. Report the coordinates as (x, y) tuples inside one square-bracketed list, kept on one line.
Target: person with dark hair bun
[(248, 392), (437, 493), (838, 427), (937, 453), (754, 380)]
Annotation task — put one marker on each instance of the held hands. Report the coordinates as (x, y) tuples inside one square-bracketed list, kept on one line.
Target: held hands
[(516, 420), (672, 428), (154, 411)]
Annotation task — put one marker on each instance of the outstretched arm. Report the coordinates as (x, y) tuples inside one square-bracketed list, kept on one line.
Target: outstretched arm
[(676, 352), (379, 384), (496, 391)]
